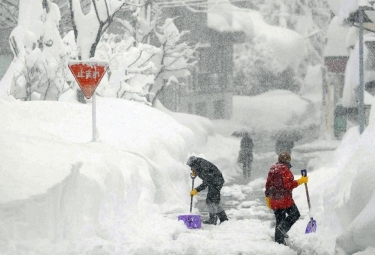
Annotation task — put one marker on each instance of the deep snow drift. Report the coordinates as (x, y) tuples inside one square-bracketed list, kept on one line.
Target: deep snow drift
[(62, 194)]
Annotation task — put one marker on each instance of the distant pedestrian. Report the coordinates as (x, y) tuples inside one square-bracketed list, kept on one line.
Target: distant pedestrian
[(245, 156), (213, 179), (279, 186), (283, 144)]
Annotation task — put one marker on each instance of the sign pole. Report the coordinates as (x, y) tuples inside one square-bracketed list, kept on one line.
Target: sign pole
[(88, 75), (94, 136)]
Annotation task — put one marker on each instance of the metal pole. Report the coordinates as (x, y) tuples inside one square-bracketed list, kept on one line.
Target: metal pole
[(94, 117), (361, 77)]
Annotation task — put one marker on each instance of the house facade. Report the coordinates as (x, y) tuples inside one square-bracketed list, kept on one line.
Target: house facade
[(208, 91), (336, 56)]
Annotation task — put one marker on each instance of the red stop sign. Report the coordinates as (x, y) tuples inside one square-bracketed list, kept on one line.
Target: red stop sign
[(88, 75)]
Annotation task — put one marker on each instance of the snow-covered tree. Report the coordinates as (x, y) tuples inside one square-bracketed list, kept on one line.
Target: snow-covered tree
[(309, 18), (257, 70), (175, 59), (131, 71), (40, 59), (139, 71), (89, 28), (8, 13)]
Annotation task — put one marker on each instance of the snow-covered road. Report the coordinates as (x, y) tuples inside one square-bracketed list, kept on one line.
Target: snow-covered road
[(249, 230)]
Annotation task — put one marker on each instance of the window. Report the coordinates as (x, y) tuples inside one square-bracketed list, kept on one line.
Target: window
[(201, 109)]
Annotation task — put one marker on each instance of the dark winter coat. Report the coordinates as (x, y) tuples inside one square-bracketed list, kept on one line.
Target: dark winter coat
[(284, 145), (279, 186), (211, 177), (246, 151)]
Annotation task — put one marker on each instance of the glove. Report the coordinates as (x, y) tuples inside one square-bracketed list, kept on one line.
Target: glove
[(303, 179), (268, 201), (193, 192), (193, 173)]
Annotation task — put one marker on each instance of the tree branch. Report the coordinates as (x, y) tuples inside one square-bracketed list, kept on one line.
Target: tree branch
[(73, 20), (136, 59)]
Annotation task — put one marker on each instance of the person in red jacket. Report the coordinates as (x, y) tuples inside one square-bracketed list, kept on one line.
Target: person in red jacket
[(279, 186)]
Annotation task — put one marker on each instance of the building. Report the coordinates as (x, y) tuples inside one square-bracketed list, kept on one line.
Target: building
[(208, 91), (336, 56)]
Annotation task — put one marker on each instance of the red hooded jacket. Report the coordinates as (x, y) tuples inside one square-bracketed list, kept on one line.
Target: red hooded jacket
[(279, 186)]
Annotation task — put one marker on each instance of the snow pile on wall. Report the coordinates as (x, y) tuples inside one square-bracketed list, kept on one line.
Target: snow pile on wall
[(59, 188)]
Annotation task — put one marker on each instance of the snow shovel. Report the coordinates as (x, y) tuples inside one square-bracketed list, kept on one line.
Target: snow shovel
[(311, 226), (191, 220)]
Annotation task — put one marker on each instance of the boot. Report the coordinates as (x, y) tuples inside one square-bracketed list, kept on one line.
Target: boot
[(222, 216), (212, 219), (282, 231)]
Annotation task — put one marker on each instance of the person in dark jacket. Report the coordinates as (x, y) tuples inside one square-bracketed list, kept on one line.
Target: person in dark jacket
[(245, 156), (213, 179), (283, 144), (279, 186)]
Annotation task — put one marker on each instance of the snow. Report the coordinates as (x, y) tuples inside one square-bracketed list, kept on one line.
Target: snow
[(282, 41), (336, 39), (285, 104), (352, 73), (121, 195), (63, 194), (110, 194)]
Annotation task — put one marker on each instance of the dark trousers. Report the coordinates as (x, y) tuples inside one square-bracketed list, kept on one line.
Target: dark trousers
[(285, 218), (246, 169)]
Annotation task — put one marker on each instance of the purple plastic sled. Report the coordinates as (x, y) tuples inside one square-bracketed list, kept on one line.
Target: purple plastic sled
[(311, 227), (191, 220)]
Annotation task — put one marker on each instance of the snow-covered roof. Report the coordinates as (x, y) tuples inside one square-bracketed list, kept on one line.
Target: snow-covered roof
[(336, 39), (283, 41), (223, 17)]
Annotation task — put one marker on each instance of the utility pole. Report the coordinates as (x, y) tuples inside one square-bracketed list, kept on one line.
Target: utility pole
[(361, 114)]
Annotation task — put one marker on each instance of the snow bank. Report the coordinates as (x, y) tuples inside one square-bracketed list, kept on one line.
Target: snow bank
[(202, 127), (359, 200), (271, 111), (343, 197), (58, 186)]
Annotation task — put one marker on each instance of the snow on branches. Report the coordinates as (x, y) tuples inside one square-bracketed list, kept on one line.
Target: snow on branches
[(89, 28), (137, 70), (175, 59), (40, 58)]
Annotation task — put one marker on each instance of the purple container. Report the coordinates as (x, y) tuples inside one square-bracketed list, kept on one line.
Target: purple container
[(191, 220)]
